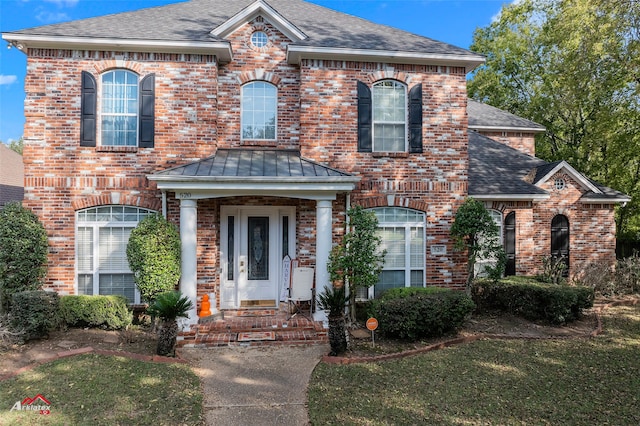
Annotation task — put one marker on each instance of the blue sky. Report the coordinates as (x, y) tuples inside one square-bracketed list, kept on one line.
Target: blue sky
[(451, 21)]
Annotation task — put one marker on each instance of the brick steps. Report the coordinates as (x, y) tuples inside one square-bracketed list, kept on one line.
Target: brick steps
[(226, 330)]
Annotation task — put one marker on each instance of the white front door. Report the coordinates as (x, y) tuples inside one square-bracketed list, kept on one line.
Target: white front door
[(251, 255)]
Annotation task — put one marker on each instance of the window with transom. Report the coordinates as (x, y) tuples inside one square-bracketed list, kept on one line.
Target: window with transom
[(389, 116), (102, 234), (259, 111)]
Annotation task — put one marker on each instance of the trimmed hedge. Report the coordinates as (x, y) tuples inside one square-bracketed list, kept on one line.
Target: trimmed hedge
[(533, 300), (34, 313), (422, 314), (109, 312)]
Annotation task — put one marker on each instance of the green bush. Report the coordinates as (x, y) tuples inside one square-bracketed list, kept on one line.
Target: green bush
[(34, 313), (556, 304), (424, 314), (109, 312), (23, 252), (153, 253)]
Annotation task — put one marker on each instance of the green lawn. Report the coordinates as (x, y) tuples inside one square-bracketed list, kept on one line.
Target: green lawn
[(493, 382), (105, 390)]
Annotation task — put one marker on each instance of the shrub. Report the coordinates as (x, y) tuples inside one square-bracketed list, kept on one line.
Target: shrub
[(153, 253), (423, 315), (34, 313), (557, 304), (607, 281), (23, 252), (95, 311)]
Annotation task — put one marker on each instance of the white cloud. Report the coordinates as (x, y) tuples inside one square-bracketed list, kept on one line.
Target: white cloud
[(6, 80), (47, 17), (63, 3)]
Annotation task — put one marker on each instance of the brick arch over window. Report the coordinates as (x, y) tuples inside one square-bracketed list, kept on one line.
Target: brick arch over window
[(379, 75), (111, 64), (150, 203), (390, 201), (258, 75)]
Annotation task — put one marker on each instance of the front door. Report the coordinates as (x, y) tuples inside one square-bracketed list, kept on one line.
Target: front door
[(251, 255)]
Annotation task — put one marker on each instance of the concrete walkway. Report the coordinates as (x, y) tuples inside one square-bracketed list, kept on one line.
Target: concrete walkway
[(255, 386)]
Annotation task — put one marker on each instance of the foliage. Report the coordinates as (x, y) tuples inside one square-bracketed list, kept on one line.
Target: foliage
[(333, 300), (418, 316), (533, 300), (153, 252), (17, 145), (169, 306), (106, 390), (492, 382), (571, 65), (553, 270), (23, 252), (358, 260), (623, 279), (95, 311), (475, 231), (34, 313)]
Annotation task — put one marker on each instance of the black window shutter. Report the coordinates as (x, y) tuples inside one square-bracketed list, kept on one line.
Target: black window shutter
[(147, 111), (364, 117), (415, 119), (88, 103)]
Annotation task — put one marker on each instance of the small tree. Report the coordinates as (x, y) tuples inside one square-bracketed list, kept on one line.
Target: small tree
[(357, 261), (153, 253), (169, 306), (475, 231), (23, 252)]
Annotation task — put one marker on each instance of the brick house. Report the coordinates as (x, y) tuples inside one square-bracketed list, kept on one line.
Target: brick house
[(11, 175), (254, 125)]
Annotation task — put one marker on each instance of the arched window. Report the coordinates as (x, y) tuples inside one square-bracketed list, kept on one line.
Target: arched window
[(389, 116), (119, 108), (560, 241), (482, 263), (510, 243), (259, 110), (403, 236), (102, 234)]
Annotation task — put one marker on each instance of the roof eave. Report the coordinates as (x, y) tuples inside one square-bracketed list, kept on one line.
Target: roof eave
[(508, 129), (607, 200), (510, 197), (295, 54), (221, 49)]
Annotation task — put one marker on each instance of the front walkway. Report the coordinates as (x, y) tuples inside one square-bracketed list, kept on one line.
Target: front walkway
[(255, 386)]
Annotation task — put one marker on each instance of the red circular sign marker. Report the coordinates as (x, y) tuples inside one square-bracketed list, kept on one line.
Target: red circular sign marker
[(372, 324)]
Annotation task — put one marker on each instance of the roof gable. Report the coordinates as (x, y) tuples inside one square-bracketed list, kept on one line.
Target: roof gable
[(547, 171), (249, 13)]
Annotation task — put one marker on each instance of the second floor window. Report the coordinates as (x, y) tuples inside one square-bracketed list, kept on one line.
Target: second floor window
[(389, 116), (259, 111), (119, 108)]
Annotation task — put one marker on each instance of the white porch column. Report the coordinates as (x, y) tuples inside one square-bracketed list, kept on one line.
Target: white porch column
[(324, 234), (188, 238)]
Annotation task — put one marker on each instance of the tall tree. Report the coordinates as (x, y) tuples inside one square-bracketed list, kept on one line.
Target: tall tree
[(574, 67)]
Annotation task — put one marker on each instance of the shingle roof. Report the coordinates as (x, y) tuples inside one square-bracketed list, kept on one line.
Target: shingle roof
[(483, 116), (497, 170), (254, 163), (192, 21)]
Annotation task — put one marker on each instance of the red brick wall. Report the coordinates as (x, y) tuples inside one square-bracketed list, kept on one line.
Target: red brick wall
[(522, 141)]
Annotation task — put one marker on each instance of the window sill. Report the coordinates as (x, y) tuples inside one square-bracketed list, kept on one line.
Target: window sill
[(261, 143), (116, 149), (390, 154)]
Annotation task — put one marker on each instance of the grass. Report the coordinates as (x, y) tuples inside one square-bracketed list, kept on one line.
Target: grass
[(105, 390), (493, 382)]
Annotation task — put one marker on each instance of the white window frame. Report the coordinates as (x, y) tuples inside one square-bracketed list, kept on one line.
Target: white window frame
[(498, 219), (243, 110), (375, 96), (95, 226), (407, 226), (102, 107)]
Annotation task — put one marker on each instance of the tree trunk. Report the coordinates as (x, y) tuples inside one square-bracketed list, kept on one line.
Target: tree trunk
[(167, 338), (337, 335)]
